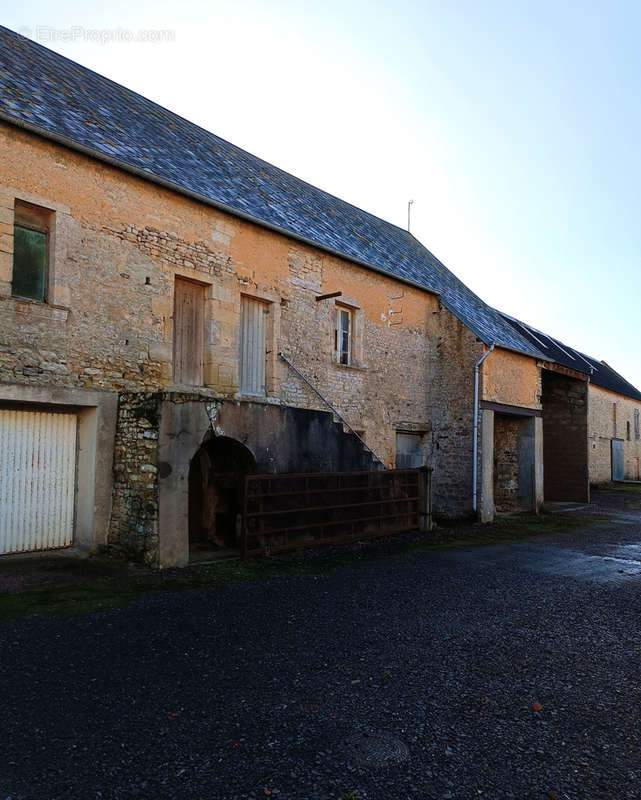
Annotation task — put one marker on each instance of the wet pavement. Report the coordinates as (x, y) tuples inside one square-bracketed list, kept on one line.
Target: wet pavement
[(505, 671), (606, 550)]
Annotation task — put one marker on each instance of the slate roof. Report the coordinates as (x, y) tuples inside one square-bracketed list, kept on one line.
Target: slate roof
[(50, 94), (601, 374)]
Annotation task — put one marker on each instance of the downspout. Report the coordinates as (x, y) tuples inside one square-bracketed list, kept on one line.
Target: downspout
[(475, 444)]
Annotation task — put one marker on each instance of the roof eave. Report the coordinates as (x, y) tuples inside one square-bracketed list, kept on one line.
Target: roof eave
[(488, 341), (201, 198), (536, 355)]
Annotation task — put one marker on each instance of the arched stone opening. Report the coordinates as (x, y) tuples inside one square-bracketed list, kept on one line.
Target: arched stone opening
[(216, 492)]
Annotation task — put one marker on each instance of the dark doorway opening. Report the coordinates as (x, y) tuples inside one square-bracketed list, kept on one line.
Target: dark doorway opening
[(514, 460), (216, 488)]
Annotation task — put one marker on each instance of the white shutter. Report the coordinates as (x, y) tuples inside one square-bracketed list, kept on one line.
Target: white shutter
[(253, 314), (37, 480)]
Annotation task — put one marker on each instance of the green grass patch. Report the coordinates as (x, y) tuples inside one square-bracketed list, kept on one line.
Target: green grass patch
[(506, 530)]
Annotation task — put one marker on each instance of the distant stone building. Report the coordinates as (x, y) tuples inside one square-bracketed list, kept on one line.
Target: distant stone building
[(613, 407), (176, 312), (613, 427)]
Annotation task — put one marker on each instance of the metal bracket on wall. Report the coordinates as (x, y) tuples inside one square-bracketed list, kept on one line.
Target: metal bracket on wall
[(328, 296)]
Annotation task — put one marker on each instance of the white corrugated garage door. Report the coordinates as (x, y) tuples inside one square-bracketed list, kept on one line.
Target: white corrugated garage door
[(37, 480)]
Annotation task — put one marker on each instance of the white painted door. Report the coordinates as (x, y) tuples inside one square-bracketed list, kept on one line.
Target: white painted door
[(37, 480)]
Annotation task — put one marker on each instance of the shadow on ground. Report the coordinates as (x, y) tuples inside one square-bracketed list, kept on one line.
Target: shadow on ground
[(63, 583)]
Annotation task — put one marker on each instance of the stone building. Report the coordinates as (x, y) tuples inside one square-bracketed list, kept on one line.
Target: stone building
[(609, 423), (176, 312)]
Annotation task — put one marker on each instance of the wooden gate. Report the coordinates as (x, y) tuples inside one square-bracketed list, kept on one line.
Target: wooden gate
[(293, 511)]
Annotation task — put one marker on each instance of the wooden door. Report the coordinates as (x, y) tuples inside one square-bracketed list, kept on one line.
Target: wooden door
[(189, 329)]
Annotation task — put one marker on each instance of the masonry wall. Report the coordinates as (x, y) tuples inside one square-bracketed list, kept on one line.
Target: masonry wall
[(608, 418), (133, 530), (506, 462), (119, 244), (511, 379), (455, 352), (565, 436), (157, 436)]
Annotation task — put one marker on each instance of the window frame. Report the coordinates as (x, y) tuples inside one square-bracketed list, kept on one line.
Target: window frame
[(339, 350), (416, 454), (37, 219)]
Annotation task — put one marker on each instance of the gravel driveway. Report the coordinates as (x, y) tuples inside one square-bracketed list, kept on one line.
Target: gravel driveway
[(509, 671)]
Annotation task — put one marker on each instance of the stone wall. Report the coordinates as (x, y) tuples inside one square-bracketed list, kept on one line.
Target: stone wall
[(506, 462), (120, 242), (565, 437), (118, 245), (512, 379), (514, 463), (133, 530), (157, 436), (608, 418), (451, 383)]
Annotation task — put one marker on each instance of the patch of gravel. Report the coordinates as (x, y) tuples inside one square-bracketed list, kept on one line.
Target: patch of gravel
[(11, 584), (470, 679)]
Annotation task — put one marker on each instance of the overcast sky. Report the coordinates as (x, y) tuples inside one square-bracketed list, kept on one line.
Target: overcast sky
[(514, 126)]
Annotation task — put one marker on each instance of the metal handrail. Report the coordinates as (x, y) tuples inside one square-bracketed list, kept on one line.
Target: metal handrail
[(330, 406)]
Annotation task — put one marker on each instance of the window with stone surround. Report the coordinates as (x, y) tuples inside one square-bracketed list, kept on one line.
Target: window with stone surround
[(409, 450), (637, 432), (31, 251), (343, 334)]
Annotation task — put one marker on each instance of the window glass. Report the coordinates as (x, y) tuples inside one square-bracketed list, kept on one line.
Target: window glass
[(409, 450), (29, 263), (342, 335)]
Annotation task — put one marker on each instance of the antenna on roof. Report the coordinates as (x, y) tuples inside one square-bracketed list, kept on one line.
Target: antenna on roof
[(409, 207)]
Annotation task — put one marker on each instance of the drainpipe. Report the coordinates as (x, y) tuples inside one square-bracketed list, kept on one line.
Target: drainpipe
[(475, 443)]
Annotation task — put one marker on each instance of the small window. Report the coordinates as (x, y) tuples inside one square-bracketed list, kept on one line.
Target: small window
[(343, 325), (409, 450), (31, 232), (637, 432), (627, 430)]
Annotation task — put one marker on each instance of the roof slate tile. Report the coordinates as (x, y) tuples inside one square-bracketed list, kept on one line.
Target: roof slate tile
[(59, 97), (601, 374)]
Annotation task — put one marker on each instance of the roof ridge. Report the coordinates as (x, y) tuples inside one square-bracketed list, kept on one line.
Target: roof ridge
[(108, 121), (192, 124)]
